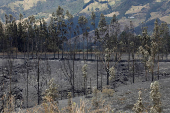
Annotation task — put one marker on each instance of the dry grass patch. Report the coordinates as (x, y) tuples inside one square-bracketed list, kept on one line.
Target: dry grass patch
[(111, 14), (86, 1), (165, 19), (136, 21), (155, 15), (107, 92), (94, 6), (136, 9)]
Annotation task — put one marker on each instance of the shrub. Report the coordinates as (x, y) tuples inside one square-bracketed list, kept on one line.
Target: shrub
[(155, 96), (69, 103), (112, 73), (108, 92), (51, 94), (8, 103), (138, 107), (96, 100)]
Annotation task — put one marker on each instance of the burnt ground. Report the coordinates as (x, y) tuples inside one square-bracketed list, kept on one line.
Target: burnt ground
[(123, 99), (126, 96)]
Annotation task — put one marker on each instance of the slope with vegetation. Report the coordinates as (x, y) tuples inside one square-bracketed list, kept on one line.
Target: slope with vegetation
[(123, 8)]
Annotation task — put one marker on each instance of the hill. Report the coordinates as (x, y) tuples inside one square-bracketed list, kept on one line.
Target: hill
[(39, 8), (136, 10)]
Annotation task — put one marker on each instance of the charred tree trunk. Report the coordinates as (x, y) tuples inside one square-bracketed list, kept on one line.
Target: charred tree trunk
[(145, 72), (73, 78), (62, 50), (97, 73), (107, 70), (38, 72), (27, 81), (87, 48), (158, 66), (133, 68), (32, 49)]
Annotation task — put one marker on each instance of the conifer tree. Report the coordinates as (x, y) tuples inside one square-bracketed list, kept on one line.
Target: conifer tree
[(61, 27), (31, 32), (45, 35), (82, 21), (20, 34), (165, 40), (53, 35), (155, 96), (36, 30), (114, 37), (151, 60), (77, 33), (15, 36), (8, 33), (26, 37), (63, 36), (102, 21), (87, 37), (162, 30), (138, 107), (125, 37), (144, 49), (93, 18), (2, 38), (101, 29), (157, 39), (41, 36), (70, 25), (113, 19)]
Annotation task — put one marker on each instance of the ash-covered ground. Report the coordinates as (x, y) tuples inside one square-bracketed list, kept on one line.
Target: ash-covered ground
[(61, 70)]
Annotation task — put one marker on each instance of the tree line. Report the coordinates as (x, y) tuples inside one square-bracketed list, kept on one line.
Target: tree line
[(33, 35)]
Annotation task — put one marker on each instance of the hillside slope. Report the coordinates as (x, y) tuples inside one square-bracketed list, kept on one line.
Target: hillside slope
[(136, 10), (39, 8), (123, 99)]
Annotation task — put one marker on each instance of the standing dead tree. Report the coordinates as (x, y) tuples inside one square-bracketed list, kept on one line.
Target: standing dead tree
[(68, 70), (36, 74), (84, 71)]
